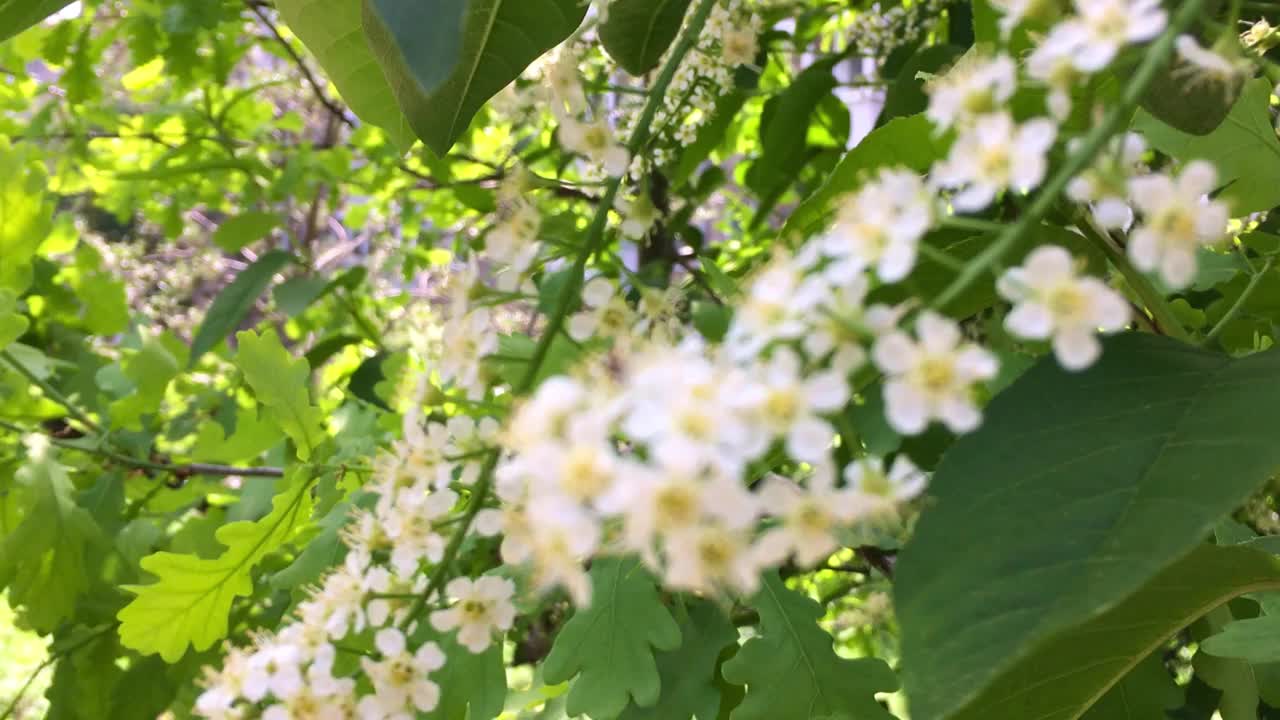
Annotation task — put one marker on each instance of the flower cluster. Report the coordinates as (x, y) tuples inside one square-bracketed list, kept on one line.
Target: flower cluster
[(875, 33)]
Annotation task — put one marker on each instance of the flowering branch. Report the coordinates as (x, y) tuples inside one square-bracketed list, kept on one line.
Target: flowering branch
[(1090, 145), (555, 321)]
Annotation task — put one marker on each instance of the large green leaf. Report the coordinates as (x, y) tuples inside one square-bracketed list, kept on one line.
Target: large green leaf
[(333, 31), (638, 32), (1244, 148), (43, 561), (472, 685), (688, 673), (609, 645), (280, 382), (791, 671), (1146, 693), (189, 603), (1076, 490), (906, 141), (500, 38), (18, 15), (1066, 675), (235, 301)]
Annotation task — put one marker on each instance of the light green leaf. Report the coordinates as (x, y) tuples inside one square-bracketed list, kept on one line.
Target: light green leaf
[(25, 210), (638, 32), (1244, 148), (148, 370), (1255, 640), (791, 671), (254, 434), (906, 141), (1076, 490), (610, 644), (500, 38), (245, 228), (280, 382), (189, 603), (296, 294), (688, 674), (333, 31), (235, 301), (1065, 675), (12, 323), (18, 15), (42, 562)]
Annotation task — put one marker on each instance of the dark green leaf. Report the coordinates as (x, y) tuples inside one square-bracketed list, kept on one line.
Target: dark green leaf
[(609, 645), (18, 15), (472, 685), (499, 39), (1064, 675), (235, 301), (1077, 488), (638, 32), (1256, 640), (1144, 694), (905, 95), (784, 125), (791, 672)]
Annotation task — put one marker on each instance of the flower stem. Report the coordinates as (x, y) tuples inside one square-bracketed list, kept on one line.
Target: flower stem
[(1165, 321), (1238, 305), (1090, 145)]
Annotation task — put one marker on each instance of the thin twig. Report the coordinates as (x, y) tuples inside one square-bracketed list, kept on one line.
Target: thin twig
[(307, 75), (49, 390)]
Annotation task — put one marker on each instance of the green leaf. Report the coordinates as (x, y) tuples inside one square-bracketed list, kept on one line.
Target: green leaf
[(638, 32), (1244, 148), (43, 561), (189, 603), (296, 294), (280, 382), (905, 95), (18, 15), (472, 685), (688, 674), (784, 124), (149, 370), (791, 671), (235, 301), (1076, 490), (26, 215), (1069, 672), (245, 228), (500, 38), (610, 644), (254, 434), (907, 141), (333, 31), (12, 323), (321, 552), (1256, 640), (1144, 694)]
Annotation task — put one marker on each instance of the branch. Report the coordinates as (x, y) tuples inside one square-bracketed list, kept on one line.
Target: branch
[(49, 390), (307, 75), (180, 470), (1077, 162)]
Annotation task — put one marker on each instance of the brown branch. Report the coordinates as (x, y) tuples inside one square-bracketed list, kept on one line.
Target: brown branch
[(333, 107)]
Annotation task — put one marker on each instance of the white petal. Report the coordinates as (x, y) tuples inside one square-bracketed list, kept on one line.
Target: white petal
[(906, 408), (1030, 320), (960, 414), (1077, 349)]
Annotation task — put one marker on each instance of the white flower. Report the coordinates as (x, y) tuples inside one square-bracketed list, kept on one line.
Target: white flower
[(902, 483), (594, 139), (555, 535), (787, 403), (975, 86), (482, 607), (607, 312), (711, 556), (932, 377), (809, 517), (1207, 67), (1014, 12), (738, 46), (1053, 62), (880, 227), (995, 155), (274, 670), (410, 525), (400, 679), (1177, 219), (563, 79), (1053, 300), (638, 215), (1105, 185), (774, 309), (1107, 25)]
